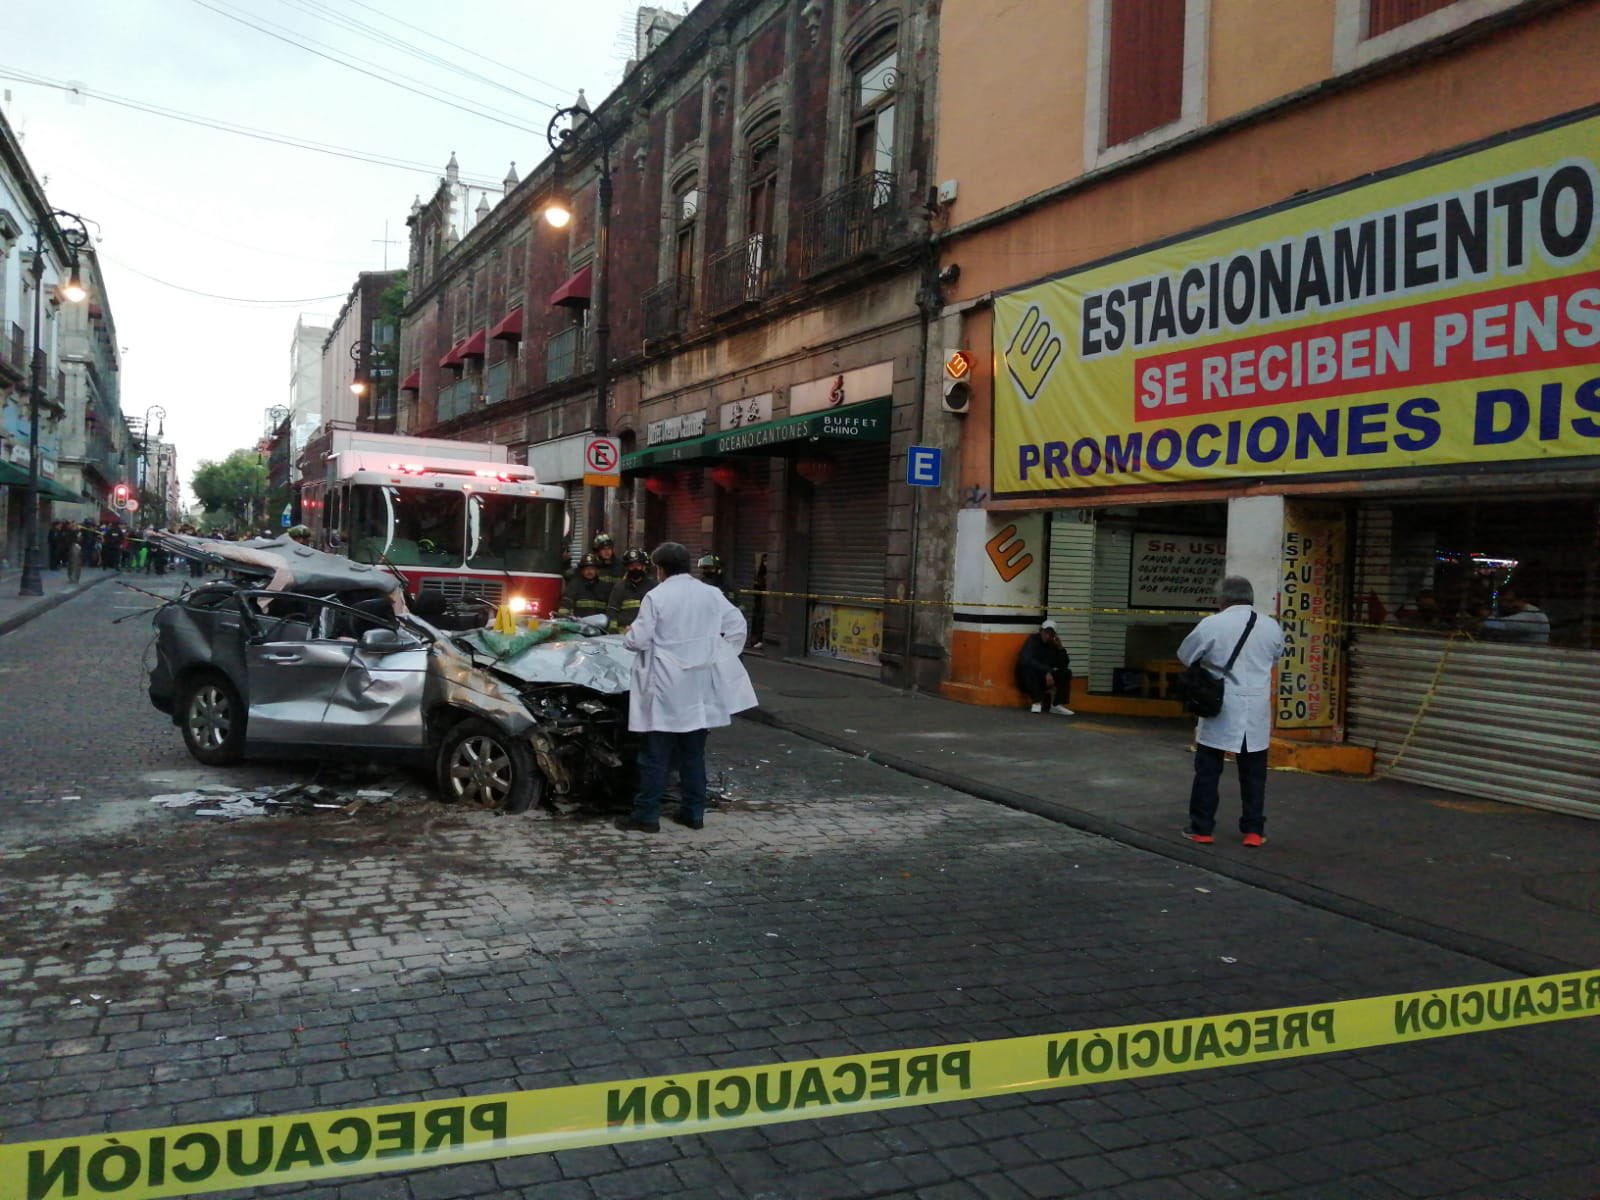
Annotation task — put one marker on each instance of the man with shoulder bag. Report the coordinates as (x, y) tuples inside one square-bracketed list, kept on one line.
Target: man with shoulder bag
[(1238, 649)]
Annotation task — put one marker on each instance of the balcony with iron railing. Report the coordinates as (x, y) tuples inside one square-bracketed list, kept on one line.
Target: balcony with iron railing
[(564, 354), (14, 352), (741, 274), (860, 219), (456, 398), (497, 382), (667, 307)]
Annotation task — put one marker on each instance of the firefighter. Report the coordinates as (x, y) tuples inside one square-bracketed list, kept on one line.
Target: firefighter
[(711, 573), (630, 592), (604, 550), (586, 593)]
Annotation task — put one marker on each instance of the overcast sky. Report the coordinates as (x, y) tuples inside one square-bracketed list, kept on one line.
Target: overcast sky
[(220, 213)]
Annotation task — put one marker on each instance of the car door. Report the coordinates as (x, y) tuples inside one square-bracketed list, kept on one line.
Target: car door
[(377, 702), (292, 671)]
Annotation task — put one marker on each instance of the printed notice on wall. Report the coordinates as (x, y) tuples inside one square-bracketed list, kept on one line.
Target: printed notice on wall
[(1311, 674), (1176, 570), (845, 633)]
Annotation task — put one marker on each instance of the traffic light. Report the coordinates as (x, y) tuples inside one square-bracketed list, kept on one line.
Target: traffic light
[(120, 495), (957, 382)]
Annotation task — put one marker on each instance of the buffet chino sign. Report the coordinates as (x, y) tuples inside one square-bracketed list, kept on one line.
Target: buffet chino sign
[(1446, 314)]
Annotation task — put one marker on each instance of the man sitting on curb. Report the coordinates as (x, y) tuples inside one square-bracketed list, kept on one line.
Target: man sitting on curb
[(1044, 670)]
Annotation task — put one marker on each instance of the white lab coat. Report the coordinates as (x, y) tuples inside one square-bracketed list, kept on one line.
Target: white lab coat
[(1246, 716), (687, 674)]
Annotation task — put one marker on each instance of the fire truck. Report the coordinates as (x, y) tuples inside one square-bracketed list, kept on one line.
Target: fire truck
[(455, 518)]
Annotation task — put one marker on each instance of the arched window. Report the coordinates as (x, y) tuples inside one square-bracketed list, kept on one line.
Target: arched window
[(685, 215), (874, 76)]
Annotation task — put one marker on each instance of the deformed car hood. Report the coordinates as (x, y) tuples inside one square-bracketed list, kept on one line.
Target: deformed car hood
[(598, 662)]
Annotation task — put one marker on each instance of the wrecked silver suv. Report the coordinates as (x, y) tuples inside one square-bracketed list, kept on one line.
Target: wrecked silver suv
[(306, 653)]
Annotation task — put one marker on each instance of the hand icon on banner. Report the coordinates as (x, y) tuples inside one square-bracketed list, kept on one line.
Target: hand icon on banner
[(1033, 353)]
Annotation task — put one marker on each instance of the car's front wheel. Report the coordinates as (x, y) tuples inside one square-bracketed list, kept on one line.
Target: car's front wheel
[(485, 767), (212, 717)]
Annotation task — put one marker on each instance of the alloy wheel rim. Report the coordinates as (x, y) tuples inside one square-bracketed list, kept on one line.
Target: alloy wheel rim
[(481, 772), (209, 718)]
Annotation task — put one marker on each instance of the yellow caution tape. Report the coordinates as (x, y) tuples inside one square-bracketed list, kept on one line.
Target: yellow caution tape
[(191, 1160)]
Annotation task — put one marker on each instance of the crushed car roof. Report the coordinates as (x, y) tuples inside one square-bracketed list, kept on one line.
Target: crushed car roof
[(286, 565)]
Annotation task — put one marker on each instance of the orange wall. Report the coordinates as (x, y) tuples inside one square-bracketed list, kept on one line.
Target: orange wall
[(1263, 49), (1011, 96), (1515, 77)]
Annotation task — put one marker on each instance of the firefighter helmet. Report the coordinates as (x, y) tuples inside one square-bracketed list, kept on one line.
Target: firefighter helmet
[(601, 541), (588, 560), (710, 562), (635, 555)]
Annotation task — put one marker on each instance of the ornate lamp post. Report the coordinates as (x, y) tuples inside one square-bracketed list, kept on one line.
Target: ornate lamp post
[(76, 238), (159, 415), (568, 127)]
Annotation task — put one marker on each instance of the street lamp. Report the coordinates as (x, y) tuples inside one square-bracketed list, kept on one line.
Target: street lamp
[(558, 214), (75, 239), (563, 126), (361, 385)]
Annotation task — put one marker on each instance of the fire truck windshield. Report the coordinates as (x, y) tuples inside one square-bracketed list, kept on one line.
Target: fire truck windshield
[(514, 533), (410, 527)]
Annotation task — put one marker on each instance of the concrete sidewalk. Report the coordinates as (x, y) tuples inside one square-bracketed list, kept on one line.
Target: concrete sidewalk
[(1515, 886), (16, 610)]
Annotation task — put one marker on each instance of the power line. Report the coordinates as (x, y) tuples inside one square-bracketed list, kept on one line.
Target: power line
[(281, 139), (178, 287), (322, 12), (438, 98), (458, 46)]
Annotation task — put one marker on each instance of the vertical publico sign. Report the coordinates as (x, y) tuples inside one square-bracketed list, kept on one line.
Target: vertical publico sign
[(1444, 314), (1312, 598)]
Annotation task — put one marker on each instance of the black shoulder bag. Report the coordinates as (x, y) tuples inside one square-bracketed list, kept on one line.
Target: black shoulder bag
[(1198, 688)]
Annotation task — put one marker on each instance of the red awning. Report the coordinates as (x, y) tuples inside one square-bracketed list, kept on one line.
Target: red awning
[(510, 329), (413, 382), (575, 291), (475, 345), (453, 359)]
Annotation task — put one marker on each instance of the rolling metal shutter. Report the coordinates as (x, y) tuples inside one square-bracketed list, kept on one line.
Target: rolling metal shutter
[(751, 526), (1508, 722), (577, 522), (686, 510), (848, 527), (1069, 591)]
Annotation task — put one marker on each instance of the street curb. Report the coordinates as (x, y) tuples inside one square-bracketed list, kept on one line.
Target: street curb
[(1511, 958), (46, 603)]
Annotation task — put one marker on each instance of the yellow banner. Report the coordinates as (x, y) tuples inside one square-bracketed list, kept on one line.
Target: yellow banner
[(1444, 315), (192, 1160)]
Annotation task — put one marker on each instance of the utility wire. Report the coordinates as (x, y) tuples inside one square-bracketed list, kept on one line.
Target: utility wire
[(315, 8), (178, 287), (281, 139), (438, 98), (458, 46)]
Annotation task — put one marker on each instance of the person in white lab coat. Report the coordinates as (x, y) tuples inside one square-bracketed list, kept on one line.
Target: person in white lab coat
[(1244, 725), (687, 679)]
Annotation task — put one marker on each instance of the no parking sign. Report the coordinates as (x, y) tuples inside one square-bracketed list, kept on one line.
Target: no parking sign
[(601, 458)]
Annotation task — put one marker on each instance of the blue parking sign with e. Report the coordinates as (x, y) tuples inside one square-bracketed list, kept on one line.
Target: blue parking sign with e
[(922, 466)]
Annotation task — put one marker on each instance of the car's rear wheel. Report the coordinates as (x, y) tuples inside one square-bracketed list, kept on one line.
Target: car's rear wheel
[(484, 767), (212, 717)]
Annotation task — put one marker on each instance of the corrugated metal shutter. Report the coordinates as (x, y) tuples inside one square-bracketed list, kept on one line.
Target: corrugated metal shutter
[(1514, 723), (577, 522), (686, 509), (848, 522), (1144, 67), (752, 534), (1071, 582), (1113, 560)]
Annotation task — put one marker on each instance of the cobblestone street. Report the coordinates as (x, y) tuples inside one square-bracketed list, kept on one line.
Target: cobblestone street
[(161, 966)]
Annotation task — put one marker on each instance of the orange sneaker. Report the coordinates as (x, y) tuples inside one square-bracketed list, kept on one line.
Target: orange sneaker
[(1254, 839), (1204, 839)]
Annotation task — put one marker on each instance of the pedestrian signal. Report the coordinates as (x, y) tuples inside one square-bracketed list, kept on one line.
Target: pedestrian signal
[(120, 496)]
